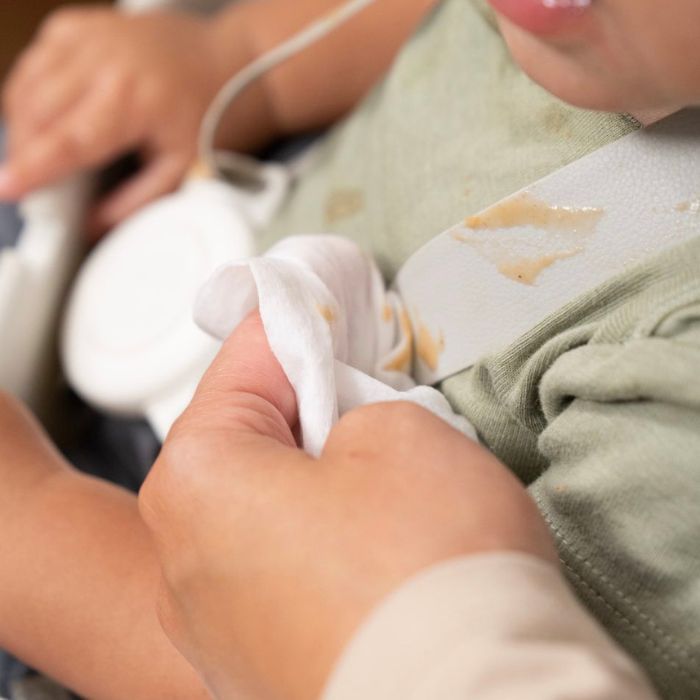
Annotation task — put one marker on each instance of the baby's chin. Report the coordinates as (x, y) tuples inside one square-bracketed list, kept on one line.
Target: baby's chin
[(580, 76)]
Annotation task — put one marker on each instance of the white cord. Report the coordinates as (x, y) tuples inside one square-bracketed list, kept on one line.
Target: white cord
[(233, 88)]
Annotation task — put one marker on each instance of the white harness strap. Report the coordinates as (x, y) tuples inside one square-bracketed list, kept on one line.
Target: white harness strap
[(477, 287)]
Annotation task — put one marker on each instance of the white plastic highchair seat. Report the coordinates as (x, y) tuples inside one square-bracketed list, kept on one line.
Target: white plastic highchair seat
[(33, 278)]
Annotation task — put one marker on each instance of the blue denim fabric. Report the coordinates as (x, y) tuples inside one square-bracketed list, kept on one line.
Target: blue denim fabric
[(10, 670), (10, 224)]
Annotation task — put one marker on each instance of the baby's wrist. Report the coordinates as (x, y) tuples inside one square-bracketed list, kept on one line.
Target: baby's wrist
[(228, 43), (231, 45)]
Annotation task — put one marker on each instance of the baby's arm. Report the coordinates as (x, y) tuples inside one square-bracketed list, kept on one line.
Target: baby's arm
[(143, 82), (78, 578), (326, 80)]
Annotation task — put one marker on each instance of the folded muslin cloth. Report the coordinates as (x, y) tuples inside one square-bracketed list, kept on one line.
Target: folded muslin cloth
[(342, 339)]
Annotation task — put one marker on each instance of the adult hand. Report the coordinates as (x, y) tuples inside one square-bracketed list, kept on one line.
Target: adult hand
[(271, 558), (96, 83)]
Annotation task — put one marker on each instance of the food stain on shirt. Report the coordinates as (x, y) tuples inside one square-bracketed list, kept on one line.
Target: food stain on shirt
[(468, 187), (401, 359), (557, 121), (343, 204), (428, 347), (547, 234), (387, 313), (691, 207)]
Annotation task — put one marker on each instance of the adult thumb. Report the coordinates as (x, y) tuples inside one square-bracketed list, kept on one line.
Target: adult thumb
[(245, 392)]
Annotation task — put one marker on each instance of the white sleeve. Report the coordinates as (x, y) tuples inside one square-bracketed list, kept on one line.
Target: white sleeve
[(492, 627)]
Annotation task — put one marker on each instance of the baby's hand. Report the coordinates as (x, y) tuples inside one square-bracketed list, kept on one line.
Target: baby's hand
[(96, 83)]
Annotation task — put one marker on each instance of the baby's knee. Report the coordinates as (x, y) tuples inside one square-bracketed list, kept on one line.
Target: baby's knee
[(15, 418), (24, 446), (12, 413)]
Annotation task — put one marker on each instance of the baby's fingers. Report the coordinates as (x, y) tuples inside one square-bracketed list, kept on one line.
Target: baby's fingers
[(47, 102), (159, 176), (38, 65), (89, 135)]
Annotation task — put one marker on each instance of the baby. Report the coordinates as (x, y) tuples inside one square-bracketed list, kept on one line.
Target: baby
[(577, 409)]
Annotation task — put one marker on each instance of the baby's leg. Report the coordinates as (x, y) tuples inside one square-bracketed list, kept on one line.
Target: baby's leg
[(78, 578)]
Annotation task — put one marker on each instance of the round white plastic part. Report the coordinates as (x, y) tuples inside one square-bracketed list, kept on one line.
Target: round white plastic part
[(129, 343)]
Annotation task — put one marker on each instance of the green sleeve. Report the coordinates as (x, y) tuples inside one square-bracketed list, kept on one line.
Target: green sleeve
[(622, 492)]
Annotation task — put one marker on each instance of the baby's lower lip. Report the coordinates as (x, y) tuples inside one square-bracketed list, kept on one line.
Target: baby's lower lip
[(542, 16)]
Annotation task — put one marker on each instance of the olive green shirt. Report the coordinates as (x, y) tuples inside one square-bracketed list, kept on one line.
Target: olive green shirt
[(597, 409)]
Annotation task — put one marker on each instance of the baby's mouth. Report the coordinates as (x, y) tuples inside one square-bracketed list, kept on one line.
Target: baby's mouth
[(543, 17)]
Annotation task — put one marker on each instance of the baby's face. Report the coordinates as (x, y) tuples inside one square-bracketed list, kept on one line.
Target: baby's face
[(636, 56)]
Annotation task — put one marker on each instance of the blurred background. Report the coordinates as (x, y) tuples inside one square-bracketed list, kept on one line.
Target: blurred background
[(18, 21)]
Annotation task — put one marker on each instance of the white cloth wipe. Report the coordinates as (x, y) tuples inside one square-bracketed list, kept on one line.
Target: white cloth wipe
[(342, 339)]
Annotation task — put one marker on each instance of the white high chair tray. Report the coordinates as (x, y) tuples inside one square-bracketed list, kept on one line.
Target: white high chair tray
[(33, 277)]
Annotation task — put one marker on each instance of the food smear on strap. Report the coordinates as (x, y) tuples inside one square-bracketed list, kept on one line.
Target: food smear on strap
[(526, 210), (535, 235), (527, 270)]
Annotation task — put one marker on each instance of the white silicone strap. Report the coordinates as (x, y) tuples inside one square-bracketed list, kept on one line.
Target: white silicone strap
[(477, 287)]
